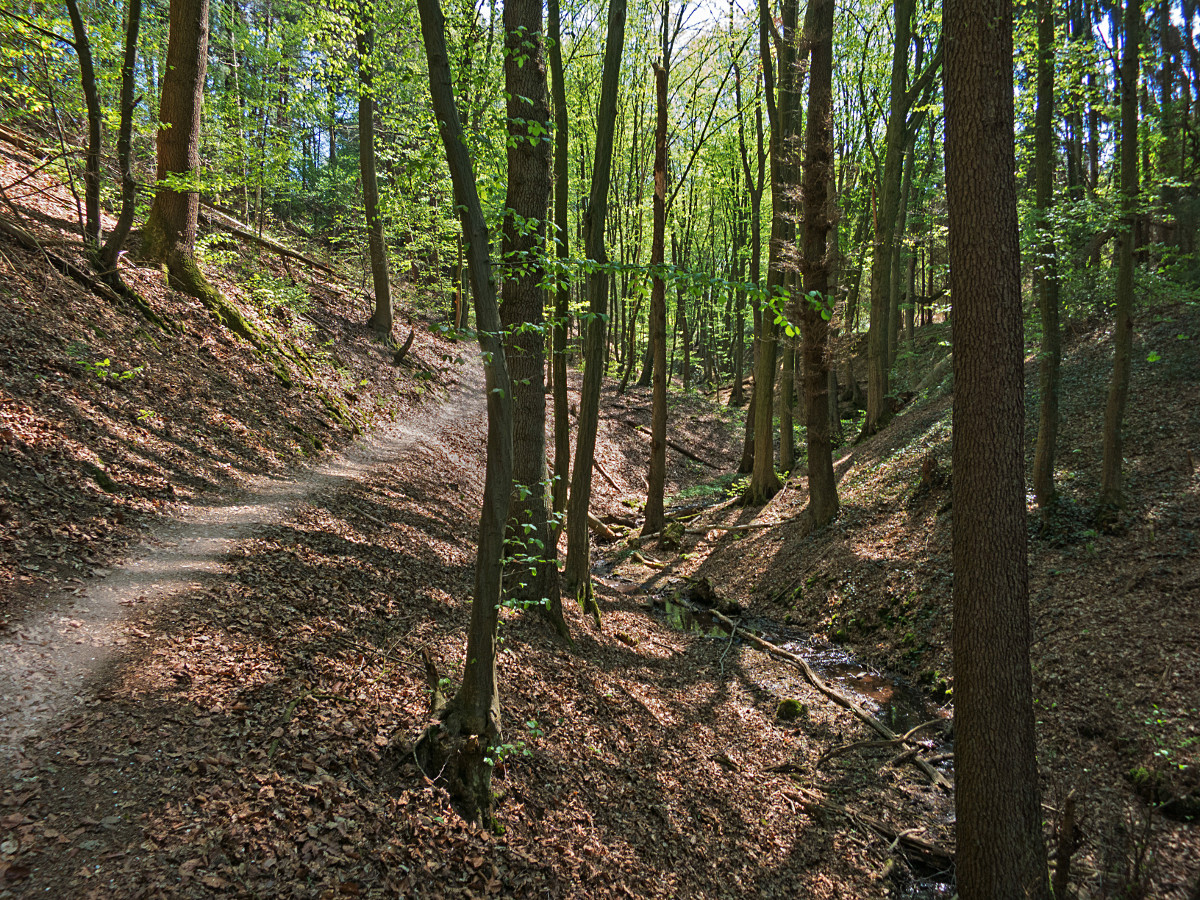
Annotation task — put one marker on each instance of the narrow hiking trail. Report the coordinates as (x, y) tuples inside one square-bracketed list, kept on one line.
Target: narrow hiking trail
[(50, 663)]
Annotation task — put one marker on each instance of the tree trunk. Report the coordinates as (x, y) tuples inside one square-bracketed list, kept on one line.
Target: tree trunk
[(116, 238), (754, 185), (578, 568), (170, 233), (764, 483), (91, 165), (1118, 391), (997, 801), (787, 404), (658, 311), (878, 363), (816, 264), (1045, 274), (470, 724), (562, 293), (364, 42), (533, 570)]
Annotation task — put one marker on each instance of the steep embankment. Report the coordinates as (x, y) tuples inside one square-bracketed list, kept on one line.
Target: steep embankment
[(109, 423), (1116, 652)]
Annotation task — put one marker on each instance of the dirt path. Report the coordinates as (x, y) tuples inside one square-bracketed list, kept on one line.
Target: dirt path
[(48, 663)]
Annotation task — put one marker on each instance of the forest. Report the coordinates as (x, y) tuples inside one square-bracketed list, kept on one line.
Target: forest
[(681, 449)]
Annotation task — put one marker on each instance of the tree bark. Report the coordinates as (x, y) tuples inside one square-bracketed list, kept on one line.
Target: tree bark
[(91, 165), (577, 573), (816, 265), (997, 802), (533, 572), (116, 238), (170, 233), (656, 481), (364, 41), (1118, 391), (562, 293), (470, 723), (1045, 274), (764, 483)]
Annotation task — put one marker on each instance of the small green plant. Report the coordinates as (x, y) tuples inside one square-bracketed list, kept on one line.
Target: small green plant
[(271, 293), (103, 370)]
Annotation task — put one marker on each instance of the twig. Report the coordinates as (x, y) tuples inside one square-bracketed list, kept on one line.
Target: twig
[(604, 472), (729, 646)]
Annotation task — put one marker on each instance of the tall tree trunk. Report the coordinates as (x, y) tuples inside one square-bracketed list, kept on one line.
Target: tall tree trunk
[(997, 801), (658, 311), (578, 568), (787, 402), (878, 362), (116, 238), (1118, 391), (816, 265), (755, 181), (364, 42), (169, 235), (91, 165), (533, 573), (764, 483), (470, 724), (562, 293), (896, 269), (737, 394), (1045, 274)]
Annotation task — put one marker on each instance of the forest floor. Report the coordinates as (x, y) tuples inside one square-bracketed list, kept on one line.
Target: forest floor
[(211, 655)]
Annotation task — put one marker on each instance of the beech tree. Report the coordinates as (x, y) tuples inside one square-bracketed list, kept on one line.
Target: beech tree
[(364, 45), (169, 236), (577, 573), (1118, 392), (1045, 271), (816, 306), (469, 724), (997, 801)]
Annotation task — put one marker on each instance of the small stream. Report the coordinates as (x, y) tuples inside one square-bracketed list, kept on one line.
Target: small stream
[(896, 703)]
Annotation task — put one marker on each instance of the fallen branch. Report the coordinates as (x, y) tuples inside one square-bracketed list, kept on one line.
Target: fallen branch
[(749, 527), (682, 451), (932, 852), (858, 745), (213, 216), (602, 530), (604, 472), (837, 697)]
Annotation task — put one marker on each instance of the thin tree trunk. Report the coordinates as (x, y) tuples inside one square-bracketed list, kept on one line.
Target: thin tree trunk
[(470, 724), (116, 238), (658, 311), (1118, 392), (787, 404), (562, 293), (91, 166), (816, 266), (997, 800), (1045, 275), (364, 41), (577, 574)]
